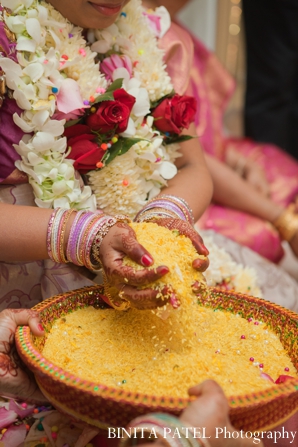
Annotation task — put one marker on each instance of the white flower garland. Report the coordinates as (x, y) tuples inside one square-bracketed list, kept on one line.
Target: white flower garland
[(223, 271), (52, 57)]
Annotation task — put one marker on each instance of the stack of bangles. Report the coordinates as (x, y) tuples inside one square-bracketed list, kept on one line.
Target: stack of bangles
[(85, 237), (167, 429), (287, 223), (166, 206)]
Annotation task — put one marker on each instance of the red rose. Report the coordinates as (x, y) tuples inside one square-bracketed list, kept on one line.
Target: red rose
[(112, 115), (175, 114), (84, 150)]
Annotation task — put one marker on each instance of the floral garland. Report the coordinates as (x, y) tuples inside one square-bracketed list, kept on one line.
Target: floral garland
[(57, 83)]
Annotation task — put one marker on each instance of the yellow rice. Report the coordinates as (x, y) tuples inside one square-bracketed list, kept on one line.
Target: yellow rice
[(141, 352), (173, 250), (109, 347)]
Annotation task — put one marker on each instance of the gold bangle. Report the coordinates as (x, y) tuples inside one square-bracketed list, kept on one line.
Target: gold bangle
[(63, 228), (287, 223)]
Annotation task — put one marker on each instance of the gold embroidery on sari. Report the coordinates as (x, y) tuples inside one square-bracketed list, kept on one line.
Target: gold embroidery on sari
[(15, 178)]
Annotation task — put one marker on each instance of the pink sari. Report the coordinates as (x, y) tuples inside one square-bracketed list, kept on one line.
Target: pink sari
[(213, 86)]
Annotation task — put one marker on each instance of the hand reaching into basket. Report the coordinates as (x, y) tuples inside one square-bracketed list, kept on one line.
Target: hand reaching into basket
[(249, 170), (15, 380), (119, 242), (209, 414), (175, 214), (201, 264)]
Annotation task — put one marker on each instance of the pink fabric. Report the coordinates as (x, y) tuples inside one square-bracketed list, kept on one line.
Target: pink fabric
[(289, 426), (213, 86)]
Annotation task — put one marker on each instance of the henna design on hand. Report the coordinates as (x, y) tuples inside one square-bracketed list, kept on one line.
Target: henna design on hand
[(119, 242), (15, 379), (129, 239), (30, 313), (7, 367), (145, 299)]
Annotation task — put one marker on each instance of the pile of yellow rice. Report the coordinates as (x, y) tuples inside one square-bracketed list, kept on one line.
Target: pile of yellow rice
[(173, 250), (141, 352)]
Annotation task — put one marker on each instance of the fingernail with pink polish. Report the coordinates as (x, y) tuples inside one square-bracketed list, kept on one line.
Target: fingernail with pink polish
[(40, 328), (164, 270), (146, 260), (206, 249)]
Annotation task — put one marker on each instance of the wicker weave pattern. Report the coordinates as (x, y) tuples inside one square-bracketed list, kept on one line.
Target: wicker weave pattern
[(104, 406)]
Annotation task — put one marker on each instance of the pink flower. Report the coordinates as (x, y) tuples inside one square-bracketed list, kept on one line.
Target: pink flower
[(154, 23), (7, 417), (110, 64), (76, 114), (69, 97), (14, 436)]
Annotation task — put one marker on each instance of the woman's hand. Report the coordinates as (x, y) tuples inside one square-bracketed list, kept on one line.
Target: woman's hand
[(15, 380), (249, 170), (211, 411), (120, 242), (255, 175), (187, 230)]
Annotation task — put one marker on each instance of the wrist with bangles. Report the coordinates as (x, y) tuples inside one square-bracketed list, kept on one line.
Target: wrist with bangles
[(287, 223), (166, 206), (165, 428), (85, 236)]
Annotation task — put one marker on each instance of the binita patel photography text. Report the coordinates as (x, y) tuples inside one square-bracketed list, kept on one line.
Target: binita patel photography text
[(201, 433)]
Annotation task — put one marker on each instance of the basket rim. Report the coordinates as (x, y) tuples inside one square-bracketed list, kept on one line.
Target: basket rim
[(41, 366)]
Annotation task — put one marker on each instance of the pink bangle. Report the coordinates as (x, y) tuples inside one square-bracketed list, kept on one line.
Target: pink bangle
[(71, 251), (168, 203)]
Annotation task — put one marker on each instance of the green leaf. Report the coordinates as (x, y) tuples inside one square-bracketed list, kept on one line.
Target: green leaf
[(115, 85), (121, 147), (72, 122), (109, 94), (178, 139)]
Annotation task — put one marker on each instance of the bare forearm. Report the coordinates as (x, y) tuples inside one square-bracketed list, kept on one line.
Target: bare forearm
[(192, 183), (232, 191), (23, 233)]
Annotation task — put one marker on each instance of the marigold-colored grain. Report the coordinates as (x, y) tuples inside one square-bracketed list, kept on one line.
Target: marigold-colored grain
[(113, 346)]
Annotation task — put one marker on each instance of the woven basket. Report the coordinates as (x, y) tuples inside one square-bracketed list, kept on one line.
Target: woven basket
[(104, 407)]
